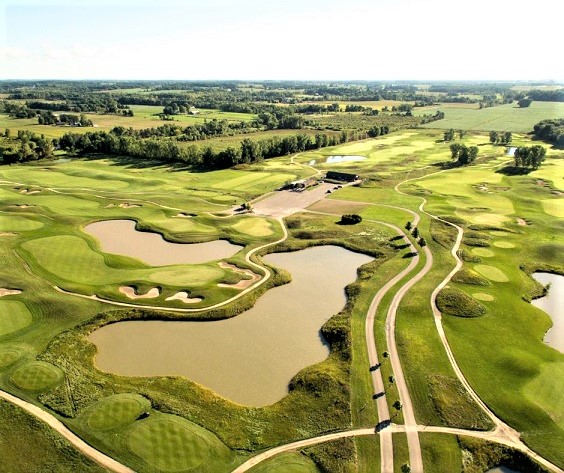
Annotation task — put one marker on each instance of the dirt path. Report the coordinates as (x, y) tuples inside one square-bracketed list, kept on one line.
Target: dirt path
[(77, 442)]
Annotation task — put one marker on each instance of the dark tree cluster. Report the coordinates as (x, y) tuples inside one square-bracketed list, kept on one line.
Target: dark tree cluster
[(350, 219), (530, 157), (26, 146), (550, 130), (501, 138), (463, 154), (63, 119)]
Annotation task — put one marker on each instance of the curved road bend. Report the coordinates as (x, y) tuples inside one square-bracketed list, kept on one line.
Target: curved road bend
[(57, 425)]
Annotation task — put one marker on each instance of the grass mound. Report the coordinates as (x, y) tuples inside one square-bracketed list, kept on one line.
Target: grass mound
[(36, 376), (118, 410), (467, 276), (469, 257), (14, 315), (455, 302), (455, 406), (480, 242), (443, 233)]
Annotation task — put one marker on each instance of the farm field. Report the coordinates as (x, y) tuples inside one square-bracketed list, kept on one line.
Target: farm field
[(69, 287), (508, 117)]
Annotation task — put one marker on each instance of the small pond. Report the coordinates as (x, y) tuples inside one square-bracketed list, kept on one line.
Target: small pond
[(553, 305), (251, 358), (337, 159), (511, 151), (120, 237)]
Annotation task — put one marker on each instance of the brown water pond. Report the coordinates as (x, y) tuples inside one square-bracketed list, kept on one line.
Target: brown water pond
[(250, 358), (120, 237), (553, 305)]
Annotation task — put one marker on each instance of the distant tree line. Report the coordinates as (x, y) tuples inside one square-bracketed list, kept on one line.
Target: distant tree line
[(48, 118)]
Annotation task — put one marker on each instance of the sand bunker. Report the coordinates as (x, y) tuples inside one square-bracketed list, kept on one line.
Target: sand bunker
[(7, 234), (522, 222), (8, 292), (183, 215), (482, 296), (243, 283), (132, 294), (23, 206), (29, 191), (503, 244), (183, 296), (127, 205)]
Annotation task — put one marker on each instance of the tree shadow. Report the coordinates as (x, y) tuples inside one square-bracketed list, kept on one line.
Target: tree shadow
[(375, 367), (514, 171), (411, 254), (378, 395)]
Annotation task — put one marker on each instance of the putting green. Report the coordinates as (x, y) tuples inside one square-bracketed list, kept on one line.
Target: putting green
[(503, 244), (482, 296), (8, 356), (491, 272), (500, 233), (36, 376), (291, 462), (10, 223), (483, 252), (257, 227), (546, 391), (168, 443), (117, 410), (554, 207), (14, 315)]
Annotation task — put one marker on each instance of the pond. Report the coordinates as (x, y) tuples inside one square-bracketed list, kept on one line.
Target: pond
[(501, 469), (511, 151), (553, 305), (120, 237), (250, 358), (338, 159)]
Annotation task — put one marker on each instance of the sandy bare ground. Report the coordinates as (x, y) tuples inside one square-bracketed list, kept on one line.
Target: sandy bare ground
[(283, 203), (521, 222), (4, 234), (132, 294), (243, 283), (8, 292), (127, 205), (183, 296), (23, 206), (27, 191)]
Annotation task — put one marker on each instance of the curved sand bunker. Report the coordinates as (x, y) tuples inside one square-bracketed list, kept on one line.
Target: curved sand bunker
[(8, 292), (183, 296), (132, 294), (243, 283), (7, 234)]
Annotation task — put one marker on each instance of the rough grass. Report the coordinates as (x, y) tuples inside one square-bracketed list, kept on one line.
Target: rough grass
[(29, 445), (468, 276), (290, 462), (455, 302), (441, 453)]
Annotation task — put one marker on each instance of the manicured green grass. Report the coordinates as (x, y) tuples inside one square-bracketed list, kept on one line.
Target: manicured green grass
[(292, 462), (11, 223), (169, 443), (8, 356), (14, 315), (491, 272), (256, 227), (507, 117), (36, 376), (116, 411), (441, 453)]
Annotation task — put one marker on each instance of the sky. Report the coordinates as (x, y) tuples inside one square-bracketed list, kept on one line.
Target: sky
[(283, 40)]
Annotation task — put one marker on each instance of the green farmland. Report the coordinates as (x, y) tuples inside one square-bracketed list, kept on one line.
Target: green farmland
[(60, 286)]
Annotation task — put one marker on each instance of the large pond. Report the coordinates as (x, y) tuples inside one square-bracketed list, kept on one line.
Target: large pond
[(250, 358), (501, 469), (553, 305), (120, 237)]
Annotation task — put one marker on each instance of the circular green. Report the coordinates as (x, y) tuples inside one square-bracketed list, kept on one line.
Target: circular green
[(168, 444), (482, 296), (117, 410), (491, 272), (484, 252), (14, 315), (8, 356), (36, 376), (503, 244)]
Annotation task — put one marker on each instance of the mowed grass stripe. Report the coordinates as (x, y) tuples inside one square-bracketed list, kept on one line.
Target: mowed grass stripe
[(14, 315)]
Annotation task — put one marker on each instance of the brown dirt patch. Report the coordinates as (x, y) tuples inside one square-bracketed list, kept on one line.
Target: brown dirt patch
[(8, 292), (338, 207)]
